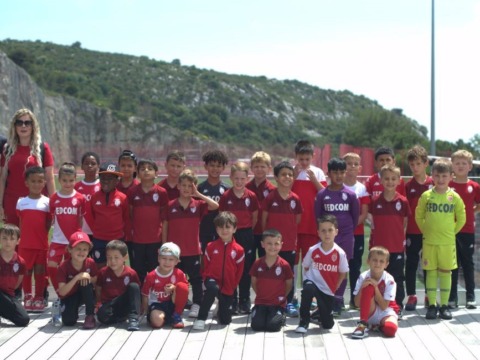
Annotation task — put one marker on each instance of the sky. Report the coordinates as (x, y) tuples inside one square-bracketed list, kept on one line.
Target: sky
[(377, 48)]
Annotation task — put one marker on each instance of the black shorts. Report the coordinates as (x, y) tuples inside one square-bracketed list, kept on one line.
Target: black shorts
[(167, 307)]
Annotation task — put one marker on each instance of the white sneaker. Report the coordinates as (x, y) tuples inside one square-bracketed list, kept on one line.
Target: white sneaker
[(471, 304), (301, 329), (198, 325), (194, 311)]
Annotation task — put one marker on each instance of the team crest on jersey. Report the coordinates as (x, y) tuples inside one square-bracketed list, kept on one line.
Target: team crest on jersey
[(52, 253), (57, 202), (281, 298), (126, 280), (74, 201), (117, 202), (108, 280), (398, 206), (334, 256), (173, 279), (16, 267), (470, 189), (222, 190), (97, 188), (233, 254), (155, 197), (278, 271), (97, 254), (344, 197), (293, 204), (450, 198), (193, 209), (247, 202), (265, 193)]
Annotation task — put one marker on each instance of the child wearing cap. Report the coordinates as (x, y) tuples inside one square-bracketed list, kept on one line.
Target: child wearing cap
[(76, 278), (110, 212), (165, 290), (118, 288)]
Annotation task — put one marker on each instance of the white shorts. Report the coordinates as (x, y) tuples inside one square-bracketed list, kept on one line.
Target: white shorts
[(379, 314)]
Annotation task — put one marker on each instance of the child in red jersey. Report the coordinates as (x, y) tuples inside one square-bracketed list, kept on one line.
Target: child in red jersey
[(35, 221), (118, 288), (389, 212), (89, 186), (127, 164), (181, 226), (67, 207), (417, 158), (261, 165), (110, 212), (272, 281), (325, 266), (244, 205), (375, 296), (282, 210), (12, 271), (165, 291), (174, 164), (76, 280), (148, 202), (223, 267), (469, 191)]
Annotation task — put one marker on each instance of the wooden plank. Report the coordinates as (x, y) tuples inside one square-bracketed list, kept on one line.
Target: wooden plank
[(93, 345), (194, 345), (113, 345), (253, 346), (56, 342), (293, 343), (173, 346), (8, 330), (151, 348), (332, 342), (134, 344), (274, 345), (235, 339), (356, 348), (468, 335), (415, 346), (73, 344), (215, 338)]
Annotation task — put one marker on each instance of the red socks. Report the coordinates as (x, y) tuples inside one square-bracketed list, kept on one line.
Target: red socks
[(366, 302), (389, 329), (181, 297)]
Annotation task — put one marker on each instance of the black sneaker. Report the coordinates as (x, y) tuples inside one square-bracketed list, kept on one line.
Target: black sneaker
[(431, 313), (234, 307), (361, 331), (133, 325), (244, 307), (445, 313)]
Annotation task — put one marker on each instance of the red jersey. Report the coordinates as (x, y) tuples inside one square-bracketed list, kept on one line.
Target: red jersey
[(147, 213), (243, 207), (126, 189), (388, 222), (386, 286), (154, 285), (67, 212), (363, 198), (224, 263), (282, 215), (271, 281), (112, 285), (184, 225), (35, 222), (375, 188), (172, 192), (470, 194), (67, 272), (111, 215), (414, 190), (87, 189), (9, 273), (261, 191)]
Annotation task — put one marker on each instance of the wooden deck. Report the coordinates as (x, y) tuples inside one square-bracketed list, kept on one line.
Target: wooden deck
[(416, 339)]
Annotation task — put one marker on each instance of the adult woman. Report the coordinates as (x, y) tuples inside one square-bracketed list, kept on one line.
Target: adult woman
[(24, 149)]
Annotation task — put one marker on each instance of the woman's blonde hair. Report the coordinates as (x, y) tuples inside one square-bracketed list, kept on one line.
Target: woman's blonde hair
[(35, 140)]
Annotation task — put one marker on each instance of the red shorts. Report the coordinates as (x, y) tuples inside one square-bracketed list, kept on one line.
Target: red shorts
[(33, 257), (304, 242), (58, 252)]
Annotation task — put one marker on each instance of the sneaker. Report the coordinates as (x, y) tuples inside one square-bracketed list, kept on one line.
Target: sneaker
[(315, 316), (426, 302), (352, 305), (194, 309), (411, 304), (291, 310), (337, 308), (177, 322), (296, 303), (431, 313), (235, 307), (313, 305), (133, 324), (452, 304), (198, 325), (400, 314), (28, 302), (445, 313), (46, 295), (471, 304), (302, 327), (56, 313), (38, 305), (361, 331), (189, 304), (89, 322), (244, 307)]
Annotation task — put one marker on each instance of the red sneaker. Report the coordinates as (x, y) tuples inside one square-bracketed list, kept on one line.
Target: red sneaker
[(89, 322), (411, 304), (38, 305), (28, 302)]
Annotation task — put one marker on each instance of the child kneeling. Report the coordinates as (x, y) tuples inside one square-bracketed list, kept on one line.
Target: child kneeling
[(375, 296)]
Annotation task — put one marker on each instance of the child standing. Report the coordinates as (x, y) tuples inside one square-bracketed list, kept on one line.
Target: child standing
[(417, 158), (272, 281), (147, 203), (35, 221), (440, 215), (165, 290), (174, 164), (223, 267), (214, 162), (375, 296), (67, 207), (12, 271), (181, 226), (469, 191), (127, 164), (110, 212), (261, 165), (118, 288), (336, 199), (389, 213), (244, 205), (76, 279), (326, 266), (351, 182), (282, 210)]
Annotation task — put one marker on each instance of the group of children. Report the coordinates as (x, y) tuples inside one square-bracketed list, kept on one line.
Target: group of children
[(164, 229)]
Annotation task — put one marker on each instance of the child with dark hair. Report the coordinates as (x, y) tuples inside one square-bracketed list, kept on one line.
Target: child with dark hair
[(127, 163), (174, 164)]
